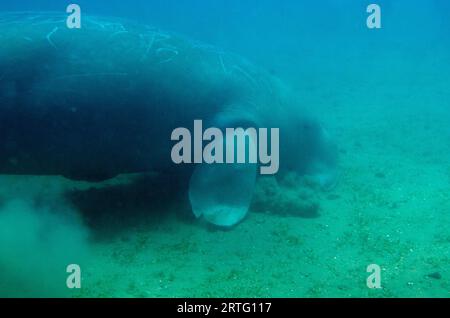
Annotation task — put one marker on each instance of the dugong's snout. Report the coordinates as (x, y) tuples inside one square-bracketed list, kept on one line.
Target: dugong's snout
[(312, 152), (323, 168)]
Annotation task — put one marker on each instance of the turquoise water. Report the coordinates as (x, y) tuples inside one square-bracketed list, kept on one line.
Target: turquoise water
[(383, 96)]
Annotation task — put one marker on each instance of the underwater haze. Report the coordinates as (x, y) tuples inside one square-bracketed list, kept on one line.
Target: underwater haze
[(360, 206)]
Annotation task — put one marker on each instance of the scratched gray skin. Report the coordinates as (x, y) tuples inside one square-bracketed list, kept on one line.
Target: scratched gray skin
[(103, 100)]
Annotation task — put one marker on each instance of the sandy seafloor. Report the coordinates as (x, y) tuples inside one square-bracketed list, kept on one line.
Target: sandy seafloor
[(391, 207)]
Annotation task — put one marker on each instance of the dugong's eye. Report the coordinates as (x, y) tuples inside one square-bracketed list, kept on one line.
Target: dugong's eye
[(307, 128), (309, 134)]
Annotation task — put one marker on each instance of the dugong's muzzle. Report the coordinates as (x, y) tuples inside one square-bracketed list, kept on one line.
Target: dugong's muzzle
[(323, 168)]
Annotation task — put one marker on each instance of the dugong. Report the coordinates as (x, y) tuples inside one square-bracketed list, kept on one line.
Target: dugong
[(102, 100)]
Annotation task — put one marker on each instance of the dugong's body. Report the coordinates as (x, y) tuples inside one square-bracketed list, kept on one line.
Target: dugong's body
[(102, 100)]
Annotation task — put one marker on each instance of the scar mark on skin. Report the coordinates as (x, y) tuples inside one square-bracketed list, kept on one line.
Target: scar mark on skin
[(245, 74), (117, 33), (149, 47), (164, 49), (49, 36), (223, 64)]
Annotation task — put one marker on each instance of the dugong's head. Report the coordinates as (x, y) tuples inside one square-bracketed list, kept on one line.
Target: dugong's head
[(310, 150), (324, 160), (222, 193)]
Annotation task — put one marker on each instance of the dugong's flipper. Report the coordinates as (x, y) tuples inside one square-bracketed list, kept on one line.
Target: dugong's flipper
[(222, 193)]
